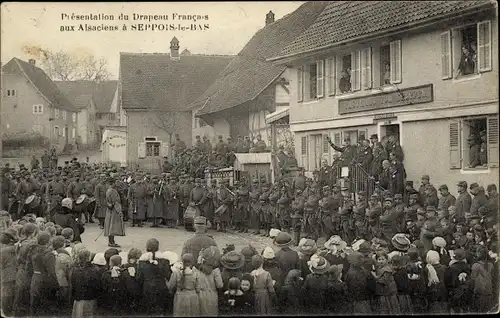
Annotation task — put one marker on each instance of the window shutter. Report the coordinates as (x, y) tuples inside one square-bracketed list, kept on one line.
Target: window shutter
[(446, 66), (367, 67), (141, 149), (455, 161), (337, 139), (164, 149), (300, 86), (395, 52), (320, 78), (303, 151), (362, 134), (493, 142), (326, 145), (331, 73), (484, 46), (356, 70)]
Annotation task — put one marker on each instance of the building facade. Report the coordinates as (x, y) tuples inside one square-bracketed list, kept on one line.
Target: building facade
[(431, 83), (32, 102)]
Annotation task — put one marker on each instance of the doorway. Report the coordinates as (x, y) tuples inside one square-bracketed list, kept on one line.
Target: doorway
[(389, 130)]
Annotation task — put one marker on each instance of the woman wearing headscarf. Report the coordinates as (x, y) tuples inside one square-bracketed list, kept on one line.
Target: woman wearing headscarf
[(434, 272), (439, 245), (458, 282), (29, 233), (8, 266), (307, 248), (85, 285), (186, 284), (153, 271), (356, 280), (210, 280)]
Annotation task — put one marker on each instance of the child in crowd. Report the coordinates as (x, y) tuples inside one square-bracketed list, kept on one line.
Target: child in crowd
[(386, 300), (129, 273), (246, 286), (263, 287)]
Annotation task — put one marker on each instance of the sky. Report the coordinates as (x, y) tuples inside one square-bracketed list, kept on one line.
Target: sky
[(231, 25)]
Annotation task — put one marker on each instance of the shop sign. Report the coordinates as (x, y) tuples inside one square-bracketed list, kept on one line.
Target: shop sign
[(116, 141), (403, 97)]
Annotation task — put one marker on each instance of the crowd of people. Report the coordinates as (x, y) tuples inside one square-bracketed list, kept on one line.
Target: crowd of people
[(397, 250)]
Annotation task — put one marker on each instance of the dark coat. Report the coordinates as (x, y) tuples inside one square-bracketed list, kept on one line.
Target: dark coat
[(198, 242), (85, 282), (287, 260), (113, 223), (153, 280), (65, 219)]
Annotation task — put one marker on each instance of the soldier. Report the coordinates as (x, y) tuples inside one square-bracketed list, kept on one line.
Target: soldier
[(55, 194), (53, 159), (346, 218), (100, 196), (265, 210), (311, 215), (198, 145), (207, 145), (184, 192), (200, 241), (379, 155), (221, 148), (463, 202), (75, 188), (373, 214), (492, 200), (260, 145), (409, 190), (447, 199), (223, 198), (172, 210), (6, 187), (398, 174), (238, 147), (179, 146), (88, 189), (253, 219), (421, 190), (325, 174), (364, 156), (138, 198), (210, 206), (23, 191), (240, 217), (394, 146), (399, 210), (113, 223), (274, 195), (297, 208), (284, 215), (348, 151), (247, 144), (158, 199), (388, 220), (198, 196), (479, 198), (45, 160), (359, 215)]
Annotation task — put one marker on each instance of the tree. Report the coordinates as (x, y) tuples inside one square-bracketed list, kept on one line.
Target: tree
[(165, 121), (65, 66)]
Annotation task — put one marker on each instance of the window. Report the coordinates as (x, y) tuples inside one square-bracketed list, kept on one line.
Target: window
[(303, 145), (98, 116), (385, 65), (345, 75), (56, 131), (74, 117), (37, 129), (37, 109), (64, 131), (152, 149), (201, 122), (64, 114), (326, 145), (73, 133), (310, 82), (320, 79), (11, 92), (366, 67), (474, 143), (395, 60), (466, 50), (331, 75), (56, 113)]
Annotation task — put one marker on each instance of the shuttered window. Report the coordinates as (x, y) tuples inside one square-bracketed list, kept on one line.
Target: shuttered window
[(484, 46), (141, 149), (396, 64), (493, 142), (366, 70), (356, 70), (303, 145), (446, 66), (320, 79), (300, 86), (326, 145), (331, 75), (337, 137), (455, 162)]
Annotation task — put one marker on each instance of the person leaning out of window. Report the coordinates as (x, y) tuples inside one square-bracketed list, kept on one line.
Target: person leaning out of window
[(474, 151), (483, 150), (466, 65)]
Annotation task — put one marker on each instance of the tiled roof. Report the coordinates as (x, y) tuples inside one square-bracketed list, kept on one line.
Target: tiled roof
[(41, 81), (249, 73), (153, 80), (102, 93), (345, 20)]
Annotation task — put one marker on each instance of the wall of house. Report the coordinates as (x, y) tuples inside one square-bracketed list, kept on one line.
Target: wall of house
[(83, 123), (421, 65), (18, 116), (201, 130), (141, 124)]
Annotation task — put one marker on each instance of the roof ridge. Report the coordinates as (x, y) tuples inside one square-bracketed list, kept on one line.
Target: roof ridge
[(184, 56)]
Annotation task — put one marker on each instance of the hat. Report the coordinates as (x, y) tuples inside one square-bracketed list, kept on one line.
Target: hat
[(389, 199), (274, 232), (426, 177), (67, 203), (400, 242), (443, 187), (268, 253), (99, 259), (491, 187), (439, 241), (200, 220), (458, 254), (232, 260), (462, 184), (374, 136), (473, 185), (248, 251), (430, 208), (318, 264), (398, 196), (283, 239), (335, 243), (365, 248), (307, 246), (355, 245), (409, 183)]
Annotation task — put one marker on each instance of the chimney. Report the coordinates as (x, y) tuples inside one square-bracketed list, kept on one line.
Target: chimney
[(269, 18), (31, 61), (174, 49)]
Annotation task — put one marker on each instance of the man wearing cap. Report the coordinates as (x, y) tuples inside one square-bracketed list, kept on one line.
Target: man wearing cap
[(224, 201), (207, 145), (100, 199), (388, 220), (179, 145), (393, 146), (210, 206), (113, 223), (172, 205), (198, 196), (399, 210), (409, 190), (198, 145), (463, 202), (24, 189), (138, 201), (379, 155), (54, 193), (348, 151), (479, 198), (200, 240), (492, 200), (446, 199), (221, 147), (241, 215), (421, 190), (359, 215), (364, 156), (297, 208)]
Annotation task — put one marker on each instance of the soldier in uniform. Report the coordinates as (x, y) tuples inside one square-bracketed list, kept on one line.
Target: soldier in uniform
[(100, 199), (75, 188), (260, 145), (379, 155), (137, 195), (388, 220), (156, 185), (198, 145), (179, 146), (347, 218), (409, 190), (463, 202), (297, 209), (150, 192), (223, 198), (446, 199), (399, 210), (398, 174), (122, 187), (265, 210), (240, 217), (184, 192), (6, 186), (207, 145), (359, 215), (373, 214), (210, 206), (274, 195), (23, 191), (311, 215), (173, 205), (348, 151), (113, 223), (421, 190), (198, 196), (88, 189), (254, 210), (393, 146), (221, 148), (325, 174), (55, 194)]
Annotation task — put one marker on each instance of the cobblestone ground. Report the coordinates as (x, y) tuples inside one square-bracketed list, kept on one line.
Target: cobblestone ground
[(170, 239)]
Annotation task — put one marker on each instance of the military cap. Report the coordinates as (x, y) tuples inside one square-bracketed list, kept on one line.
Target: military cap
[(200, 220), (345, 189), (473, 185), (374, 136), (362, 193), (462, 184), (443, 187), (430, 208), (213, 180), (198, 180), (414, 196), (255, 180), (475, 217), (398, 196), (389, 199), (326, 187), (491, 187), (409, 183), (425, 177)]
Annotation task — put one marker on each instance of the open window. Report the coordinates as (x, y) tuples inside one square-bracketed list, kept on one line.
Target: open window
[(345, 75), (310, 81), (385, 65)]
